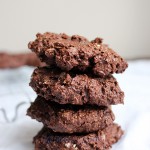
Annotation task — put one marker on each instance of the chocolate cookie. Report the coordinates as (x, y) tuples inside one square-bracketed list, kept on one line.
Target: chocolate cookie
[(69, 118), (77, 53), (101, 140), (72, 88), (18, 60)]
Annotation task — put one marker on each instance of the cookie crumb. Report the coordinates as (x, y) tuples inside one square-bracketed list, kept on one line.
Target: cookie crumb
[(68, 145)]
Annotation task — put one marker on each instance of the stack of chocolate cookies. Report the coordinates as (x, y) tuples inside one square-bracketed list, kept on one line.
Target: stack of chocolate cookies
[(75, 93)]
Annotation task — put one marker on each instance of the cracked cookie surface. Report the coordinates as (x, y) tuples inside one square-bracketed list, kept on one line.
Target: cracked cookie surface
[(100, 140), (70, 118), (77, 53), (78, 89)]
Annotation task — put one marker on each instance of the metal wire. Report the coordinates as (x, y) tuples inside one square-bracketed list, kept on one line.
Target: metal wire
[(14, 82)]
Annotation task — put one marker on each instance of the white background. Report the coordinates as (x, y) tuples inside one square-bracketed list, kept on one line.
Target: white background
[(124, 24)]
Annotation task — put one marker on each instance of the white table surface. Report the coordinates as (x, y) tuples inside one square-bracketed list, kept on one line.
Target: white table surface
[(17, 129)]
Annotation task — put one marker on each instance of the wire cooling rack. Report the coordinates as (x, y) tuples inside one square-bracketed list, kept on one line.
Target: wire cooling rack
[(14, 92)]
